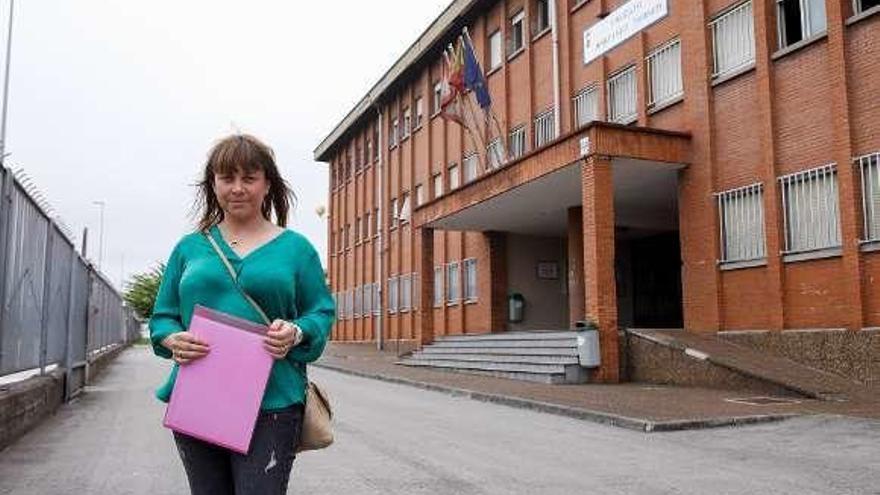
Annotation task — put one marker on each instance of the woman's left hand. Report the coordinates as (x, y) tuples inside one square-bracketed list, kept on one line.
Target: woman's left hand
[(282, 335)]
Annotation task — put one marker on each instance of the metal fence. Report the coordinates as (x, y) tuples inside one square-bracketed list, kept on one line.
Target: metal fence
[(55, 308)]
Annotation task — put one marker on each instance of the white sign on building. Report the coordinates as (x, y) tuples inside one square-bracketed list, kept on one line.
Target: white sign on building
[(625, 21)]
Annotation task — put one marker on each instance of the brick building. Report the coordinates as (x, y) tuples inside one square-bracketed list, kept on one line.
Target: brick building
[(709, 165)]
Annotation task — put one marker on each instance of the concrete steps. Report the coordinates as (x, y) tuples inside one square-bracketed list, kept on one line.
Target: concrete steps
[(540, 356)]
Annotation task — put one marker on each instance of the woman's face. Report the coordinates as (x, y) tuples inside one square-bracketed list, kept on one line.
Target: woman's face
[(241, 193)]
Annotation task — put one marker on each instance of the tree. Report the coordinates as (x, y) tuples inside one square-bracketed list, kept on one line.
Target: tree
[(140, 291)]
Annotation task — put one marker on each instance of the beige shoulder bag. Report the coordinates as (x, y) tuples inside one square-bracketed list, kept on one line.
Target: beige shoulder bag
[(317, 428)]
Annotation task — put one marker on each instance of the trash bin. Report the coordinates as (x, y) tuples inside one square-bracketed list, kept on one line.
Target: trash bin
[(515, 307), (587, 344)]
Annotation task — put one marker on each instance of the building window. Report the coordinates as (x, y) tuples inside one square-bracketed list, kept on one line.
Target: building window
[(469, 163), (799, 19), (392, 139), (394, 213), (495, 50), (420, 195), (517, 36), (358, 301), (863, 5), (810, 209), (741, 217), (733, 40), (392, 294), (405, 208), (453, 177), (438, 185), (622, 97), (405, 292), (438, 286), (420, 112), (470, 279), (517, 142), (368, 300), (407, 122), (542, 16), (437, 99), (495, 153), (870, 175), (453, 289), (349, 302), (586, 106), (664, 74), (545, 130)]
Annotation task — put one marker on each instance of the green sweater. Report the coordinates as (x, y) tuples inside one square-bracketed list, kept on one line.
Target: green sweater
[(285, 278)]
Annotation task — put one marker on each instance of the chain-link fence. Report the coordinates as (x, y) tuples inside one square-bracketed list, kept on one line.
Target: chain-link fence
[(55, 308)]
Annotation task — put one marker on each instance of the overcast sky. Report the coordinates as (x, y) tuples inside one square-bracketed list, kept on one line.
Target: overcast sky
[(119, 101)]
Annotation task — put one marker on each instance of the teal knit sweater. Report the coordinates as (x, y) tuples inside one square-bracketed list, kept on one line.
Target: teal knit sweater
[(285, 278)]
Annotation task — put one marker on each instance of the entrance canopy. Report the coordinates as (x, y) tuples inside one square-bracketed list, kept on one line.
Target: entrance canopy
[(532, 194)]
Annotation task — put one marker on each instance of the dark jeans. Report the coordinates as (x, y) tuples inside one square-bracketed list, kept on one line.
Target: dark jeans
[(265, 470)]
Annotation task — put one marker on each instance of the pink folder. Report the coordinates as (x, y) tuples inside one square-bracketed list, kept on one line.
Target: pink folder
[(217, 398)]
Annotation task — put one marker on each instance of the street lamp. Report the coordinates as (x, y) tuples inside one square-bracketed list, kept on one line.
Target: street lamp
[(101, 233)]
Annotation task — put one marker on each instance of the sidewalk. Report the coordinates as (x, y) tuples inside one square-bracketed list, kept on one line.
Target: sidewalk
[(642, 407)]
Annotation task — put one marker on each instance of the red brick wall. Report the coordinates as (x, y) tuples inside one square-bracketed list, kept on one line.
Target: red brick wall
[(745, 299), (815, 294), (863, 57)]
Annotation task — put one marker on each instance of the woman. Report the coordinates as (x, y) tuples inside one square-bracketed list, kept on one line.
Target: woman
[(278, 268)]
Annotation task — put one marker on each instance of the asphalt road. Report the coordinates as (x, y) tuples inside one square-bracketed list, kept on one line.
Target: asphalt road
[(393, 439)]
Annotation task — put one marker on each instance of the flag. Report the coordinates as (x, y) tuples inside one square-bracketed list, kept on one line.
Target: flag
[(452, 86), (473, 75)]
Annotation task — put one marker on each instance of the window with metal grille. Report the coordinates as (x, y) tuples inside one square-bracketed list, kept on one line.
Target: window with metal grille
[(438, 286), (470, 279), (869, 170), (517, 142), (798, 20), (517, 34), (392, 294), (810, 209), (860, 6), (405, 293), (367, 296), (453, 177), (469, 163), (741, 218), (453, 288), (622, 97), (664, 74), (349, 302), (586, 106), (416, 291), (495, 153), (438, 185), (358, 301), (544, 128), (495, 50), (733, 39)]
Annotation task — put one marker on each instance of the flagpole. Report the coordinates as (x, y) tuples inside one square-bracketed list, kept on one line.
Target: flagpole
[(459, 102), (489, 111), (470, 110)]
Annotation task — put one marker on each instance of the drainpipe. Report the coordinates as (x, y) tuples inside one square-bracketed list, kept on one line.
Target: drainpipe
[(554, 33), (380, 344)]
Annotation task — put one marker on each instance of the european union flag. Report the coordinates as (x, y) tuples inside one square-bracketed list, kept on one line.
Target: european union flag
[(473, 76)]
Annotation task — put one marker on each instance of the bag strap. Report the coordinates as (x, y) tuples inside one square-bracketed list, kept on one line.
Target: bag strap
[(235, 278)]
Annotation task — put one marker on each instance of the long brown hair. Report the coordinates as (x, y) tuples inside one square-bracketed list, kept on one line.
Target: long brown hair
[(247, 153)]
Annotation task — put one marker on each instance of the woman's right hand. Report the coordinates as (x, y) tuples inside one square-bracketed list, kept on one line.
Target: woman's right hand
[(186, 347)]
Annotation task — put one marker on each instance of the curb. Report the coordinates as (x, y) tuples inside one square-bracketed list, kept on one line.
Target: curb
[(635, 424)]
